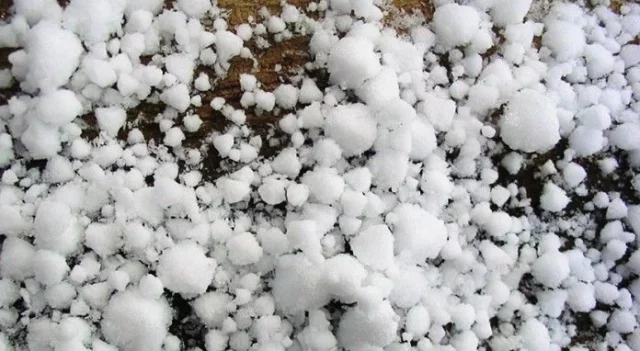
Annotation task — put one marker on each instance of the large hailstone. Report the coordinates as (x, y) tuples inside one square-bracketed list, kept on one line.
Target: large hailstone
[(530, 122)]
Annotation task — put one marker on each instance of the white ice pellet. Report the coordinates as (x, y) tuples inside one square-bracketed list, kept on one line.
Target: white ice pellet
[(352, 61), (530, 122), (185, 268), (455, 25), (553, 198)]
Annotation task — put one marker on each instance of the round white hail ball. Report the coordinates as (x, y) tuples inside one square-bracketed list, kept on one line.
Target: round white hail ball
[(530, 122)]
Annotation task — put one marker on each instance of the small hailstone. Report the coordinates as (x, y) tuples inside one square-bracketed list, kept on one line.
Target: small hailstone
[(418, 321), (607, 165), (352, 61), (622, 321), (353, 202), (238, 117), (302, 235), (276, 24), (119, 280), (181, 66), (192, 178), (287, 163), (551, 269), (497, 224), (288, 123), (359, 179), (417, 232), (54, 228), (423, 140), (600, 61), (233, 190), (359, 329), (324, 184), (202, 83), (374, 246), (534, 335), (566, 40), (309, 92), (586, 141), (310, 117), (626, 136), (265, 100), (111, 119), (614, 250), (494, 257), (134, 322), (440, 112), (228, 45), (16, 259), (11, 220), (272, 191), (326, 152), (196, 101), (247, 153), (173, 137), (601, 199), (223, 144), (59, 169), (192, 123), (185, 268), (552, 302), (297, 194), (596, 116), (388, 168), (286, 96), (344, 275), (298, 285), (103, 238), (455, 25), (99, 72), (290, 14), (530, 122), (208, 57), (500, 195), (248, 99), (617, 209), (573, 174), (273, 241), (49, 267), (216, 340), (127, 85), (506, 12), (581, 297), (58, 107), (136, 236), (248, 82), (553, 198), (244, 249), (194, 8), (244, 31), (177, 96)]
